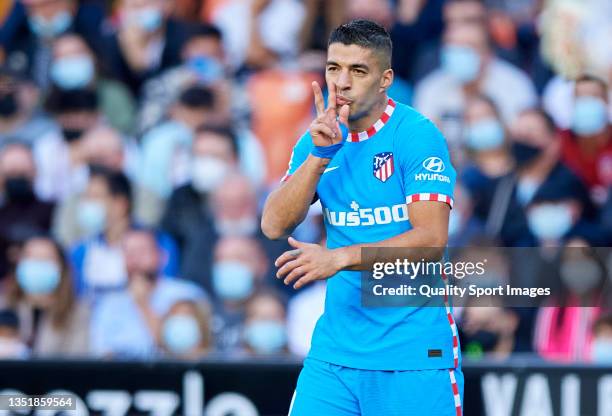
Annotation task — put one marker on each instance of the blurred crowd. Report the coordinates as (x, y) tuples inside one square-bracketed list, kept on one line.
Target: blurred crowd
[(139, 139)]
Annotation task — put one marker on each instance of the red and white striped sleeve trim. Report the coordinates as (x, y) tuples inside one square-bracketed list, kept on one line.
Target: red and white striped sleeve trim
[(429, 197)]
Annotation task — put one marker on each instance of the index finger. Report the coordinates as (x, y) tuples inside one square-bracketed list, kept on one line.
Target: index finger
[(318, 98)]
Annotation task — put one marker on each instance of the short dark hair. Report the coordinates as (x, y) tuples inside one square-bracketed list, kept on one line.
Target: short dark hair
[(223, 131), (364, 33), (68, 101), (204, 30), (118, 184)]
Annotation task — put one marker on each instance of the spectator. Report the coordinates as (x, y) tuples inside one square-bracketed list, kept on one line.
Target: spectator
[(562, 211), (487, 328), (53, 322), (265, 327), (303, 312), (20, 118), (141, 305), (587, 147), (468, 68), (188, 218), (102, 146), (564, 329), (536, 149), (260, 33), (203, 62), (185, 330), (32, 26), (147, 41), (61, 159), (601, 350), (238, 272), (22, 214), (166, 148), (74, 66), (11, 346), (489, 178), (104, 214)]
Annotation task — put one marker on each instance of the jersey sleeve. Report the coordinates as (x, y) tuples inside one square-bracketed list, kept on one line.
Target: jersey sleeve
[(301, 150), (424, 160)]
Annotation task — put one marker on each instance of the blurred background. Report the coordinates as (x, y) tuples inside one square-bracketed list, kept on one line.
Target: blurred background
[(139, 139)]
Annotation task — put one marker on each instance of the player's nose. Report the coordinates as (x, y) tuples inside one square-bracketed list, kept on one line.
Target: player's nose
[(343, 82)]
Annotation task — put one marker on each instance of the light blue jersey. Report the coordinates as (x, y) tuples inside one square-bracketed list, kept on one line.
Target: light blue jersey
[(364, 193)]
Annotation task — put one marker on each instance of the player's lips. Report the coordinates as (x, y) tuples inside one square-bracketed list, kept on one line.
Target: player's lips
[(343, 101)]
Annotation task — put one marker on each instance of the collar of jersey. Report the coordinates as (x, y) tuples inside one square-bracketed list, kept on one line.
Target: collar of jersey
[(374, 128)]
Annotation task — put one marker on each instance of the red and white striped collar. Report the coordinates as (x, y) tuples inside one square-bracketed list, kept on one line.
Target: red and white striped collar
[(374, 128)]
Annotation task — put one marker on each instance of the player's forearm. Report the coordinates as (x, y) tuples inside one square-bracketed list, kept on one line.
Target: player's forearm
[(416, 244), (287, 206)]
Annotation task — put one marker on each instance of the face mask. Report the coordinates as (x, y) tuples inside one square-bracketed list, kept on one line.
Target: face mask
[(181, 333), (149, 19), (480, 342), (232, 280), (486, 134), (549, 221), (72, 135), (601, 352), (8, 105), (236, 228), (50, 28), (207, 173), (37, 277), (461, 62), (265, 337), (12, 348), (18, 188), (580, 276), (209, 70), (524, 153), (91, 216), (72, 72), (590, 116)]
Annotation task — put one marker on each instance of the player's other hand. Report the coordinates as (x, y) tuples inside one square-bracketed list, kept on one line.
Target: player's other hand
[(325, 129), (306, 263)]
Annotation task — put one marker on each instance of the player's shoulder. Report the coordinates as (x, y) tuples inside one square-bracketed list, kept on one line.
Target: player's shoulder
[(413, 125)]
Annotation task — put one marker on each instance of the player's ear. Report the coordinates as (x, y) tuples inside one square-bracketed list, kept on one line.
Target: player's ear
[(386, 80)]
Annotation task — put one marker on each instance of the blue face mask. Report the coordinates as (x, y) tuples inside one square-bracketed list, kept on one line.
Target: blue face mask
[(590, 115), (461, 62), (265, 336), (181, 333), (485, 134), (91, 216), (149, 19), (549, 221), (232, 280), (38, 277), (601, 352), (57, 25), (72, 72), (208, 69)]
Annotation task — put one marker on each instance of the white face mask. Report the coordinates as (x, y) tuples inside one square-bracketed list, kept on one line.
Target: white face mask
[(580, 276), (208, 172), (601, 351)]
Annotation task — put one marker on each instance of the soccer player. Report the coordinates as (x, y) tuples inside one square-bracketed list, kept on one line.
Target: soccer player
[(386, 182)]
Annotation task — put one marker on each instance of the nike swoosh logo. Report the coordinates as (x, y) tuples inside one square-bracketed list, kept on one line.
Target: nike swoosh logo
[(330, 169)]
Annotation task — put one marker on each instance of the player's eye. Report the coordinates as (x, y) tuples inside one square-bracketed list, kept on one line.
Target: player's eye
[(332, 68), (359, 71)]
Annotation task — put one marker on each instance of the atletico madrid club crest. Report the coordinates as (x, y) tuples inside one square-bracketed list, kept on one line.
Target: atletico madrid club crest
[(383, 166)]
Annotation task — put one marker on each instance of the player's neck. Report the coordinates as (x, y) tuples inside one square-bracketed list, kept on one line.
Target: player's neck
[(369, 118)]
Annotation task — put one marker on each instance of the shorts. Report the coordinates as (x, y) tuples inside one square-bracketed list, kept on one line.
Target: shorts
[(326, 389)]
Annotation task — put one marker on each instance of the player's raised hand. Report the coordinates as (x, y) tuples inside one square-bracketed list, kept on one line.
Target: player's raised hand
[(325, 128), (306, 263)]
